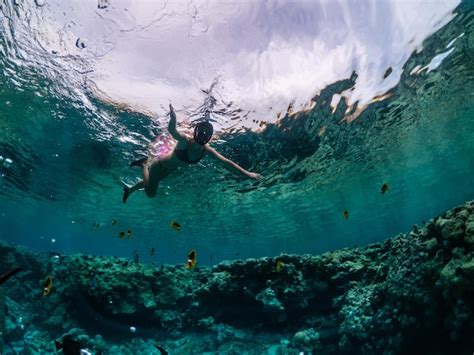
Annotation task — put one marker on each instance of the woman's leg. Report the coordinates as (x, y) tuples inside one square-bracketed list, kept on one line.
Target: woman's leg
[(151, 184), (150, 187), (127, 191)]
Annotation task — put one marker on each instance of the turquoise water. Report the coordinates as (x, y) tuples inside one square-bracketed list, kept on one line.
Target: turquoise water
[(328, 101), (70, 155)]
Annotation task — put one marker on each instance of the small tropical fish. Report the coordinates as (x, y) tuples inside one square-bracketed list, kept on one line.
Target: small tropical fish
[(161, 350), (152, 251), (68, 345), (114, 222), (384, 188), (346, 214), (129, 234), (176, 226), (279, 265), (191, 263), (122, 235), (8, 274), (47, 286)]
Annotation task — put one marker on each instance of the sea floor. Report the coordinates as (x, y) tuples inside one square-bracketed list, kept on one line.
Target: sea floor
[(413, 293)]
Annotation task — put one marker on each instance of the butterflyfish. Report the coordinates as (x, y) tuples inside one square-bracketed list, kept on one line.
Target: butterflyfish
[(176, 226), (191, 263)]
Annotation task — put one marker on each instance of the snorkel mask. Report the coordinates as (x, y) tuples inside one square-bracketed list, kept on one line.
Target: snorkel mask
[(203, 132)]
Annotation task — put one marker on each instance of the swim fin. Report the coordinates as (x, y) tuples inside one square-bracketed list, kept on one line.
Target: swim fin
[(126, 193)]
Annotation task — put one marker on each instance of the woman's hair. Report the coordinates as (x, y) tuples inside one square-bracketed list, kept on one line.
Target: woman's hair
[(203, 132)]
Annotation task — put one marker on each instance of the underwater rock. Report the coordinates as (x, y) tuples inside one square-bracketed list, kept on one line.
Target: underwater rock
[(451, 229), (270, 301), (470, 231), (225, 333), (398, 296), (2, 318), (16, 322), (206, 323), (307, 339)]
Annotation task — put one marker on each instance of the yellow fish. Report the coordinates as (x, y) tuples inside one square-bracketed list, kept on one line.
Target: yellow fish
[(279, 265), (47, 285), (346, 214), (191, 263), (176, 226), (384, 188)]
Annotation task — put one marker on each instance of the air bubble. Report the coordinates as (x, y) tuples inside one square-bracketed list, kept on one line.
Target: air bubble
[(80, 43)]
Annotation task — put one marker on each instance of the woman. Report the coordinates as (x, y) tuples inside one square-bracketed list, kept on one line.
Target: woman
[(188, 150)]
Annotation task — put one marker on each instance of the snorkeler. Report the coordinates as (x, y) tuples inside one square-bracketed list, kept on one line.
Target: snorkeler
[(188, 150)]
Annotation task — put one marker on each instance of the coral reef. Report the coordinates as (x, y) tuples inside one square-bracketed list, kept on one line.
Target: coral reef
[(412, 293)]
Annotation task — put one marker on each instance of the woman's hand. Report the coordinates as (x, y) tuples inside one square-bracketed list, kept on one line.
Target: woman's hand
[(172, 113), (254, 176)]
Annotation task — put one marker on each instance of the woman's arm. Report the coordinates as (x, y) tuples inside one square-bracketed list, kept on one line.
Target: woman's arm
[(230, 165), (180, 137)]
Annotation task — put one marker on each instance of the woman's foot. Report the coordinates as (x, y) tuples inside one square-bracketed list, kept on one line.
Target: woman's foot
[(139, 162), (126, 193)]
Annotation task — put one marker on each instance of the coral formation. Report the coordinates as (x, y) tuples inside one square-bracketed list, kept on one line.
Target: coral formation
[(414, 292)]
